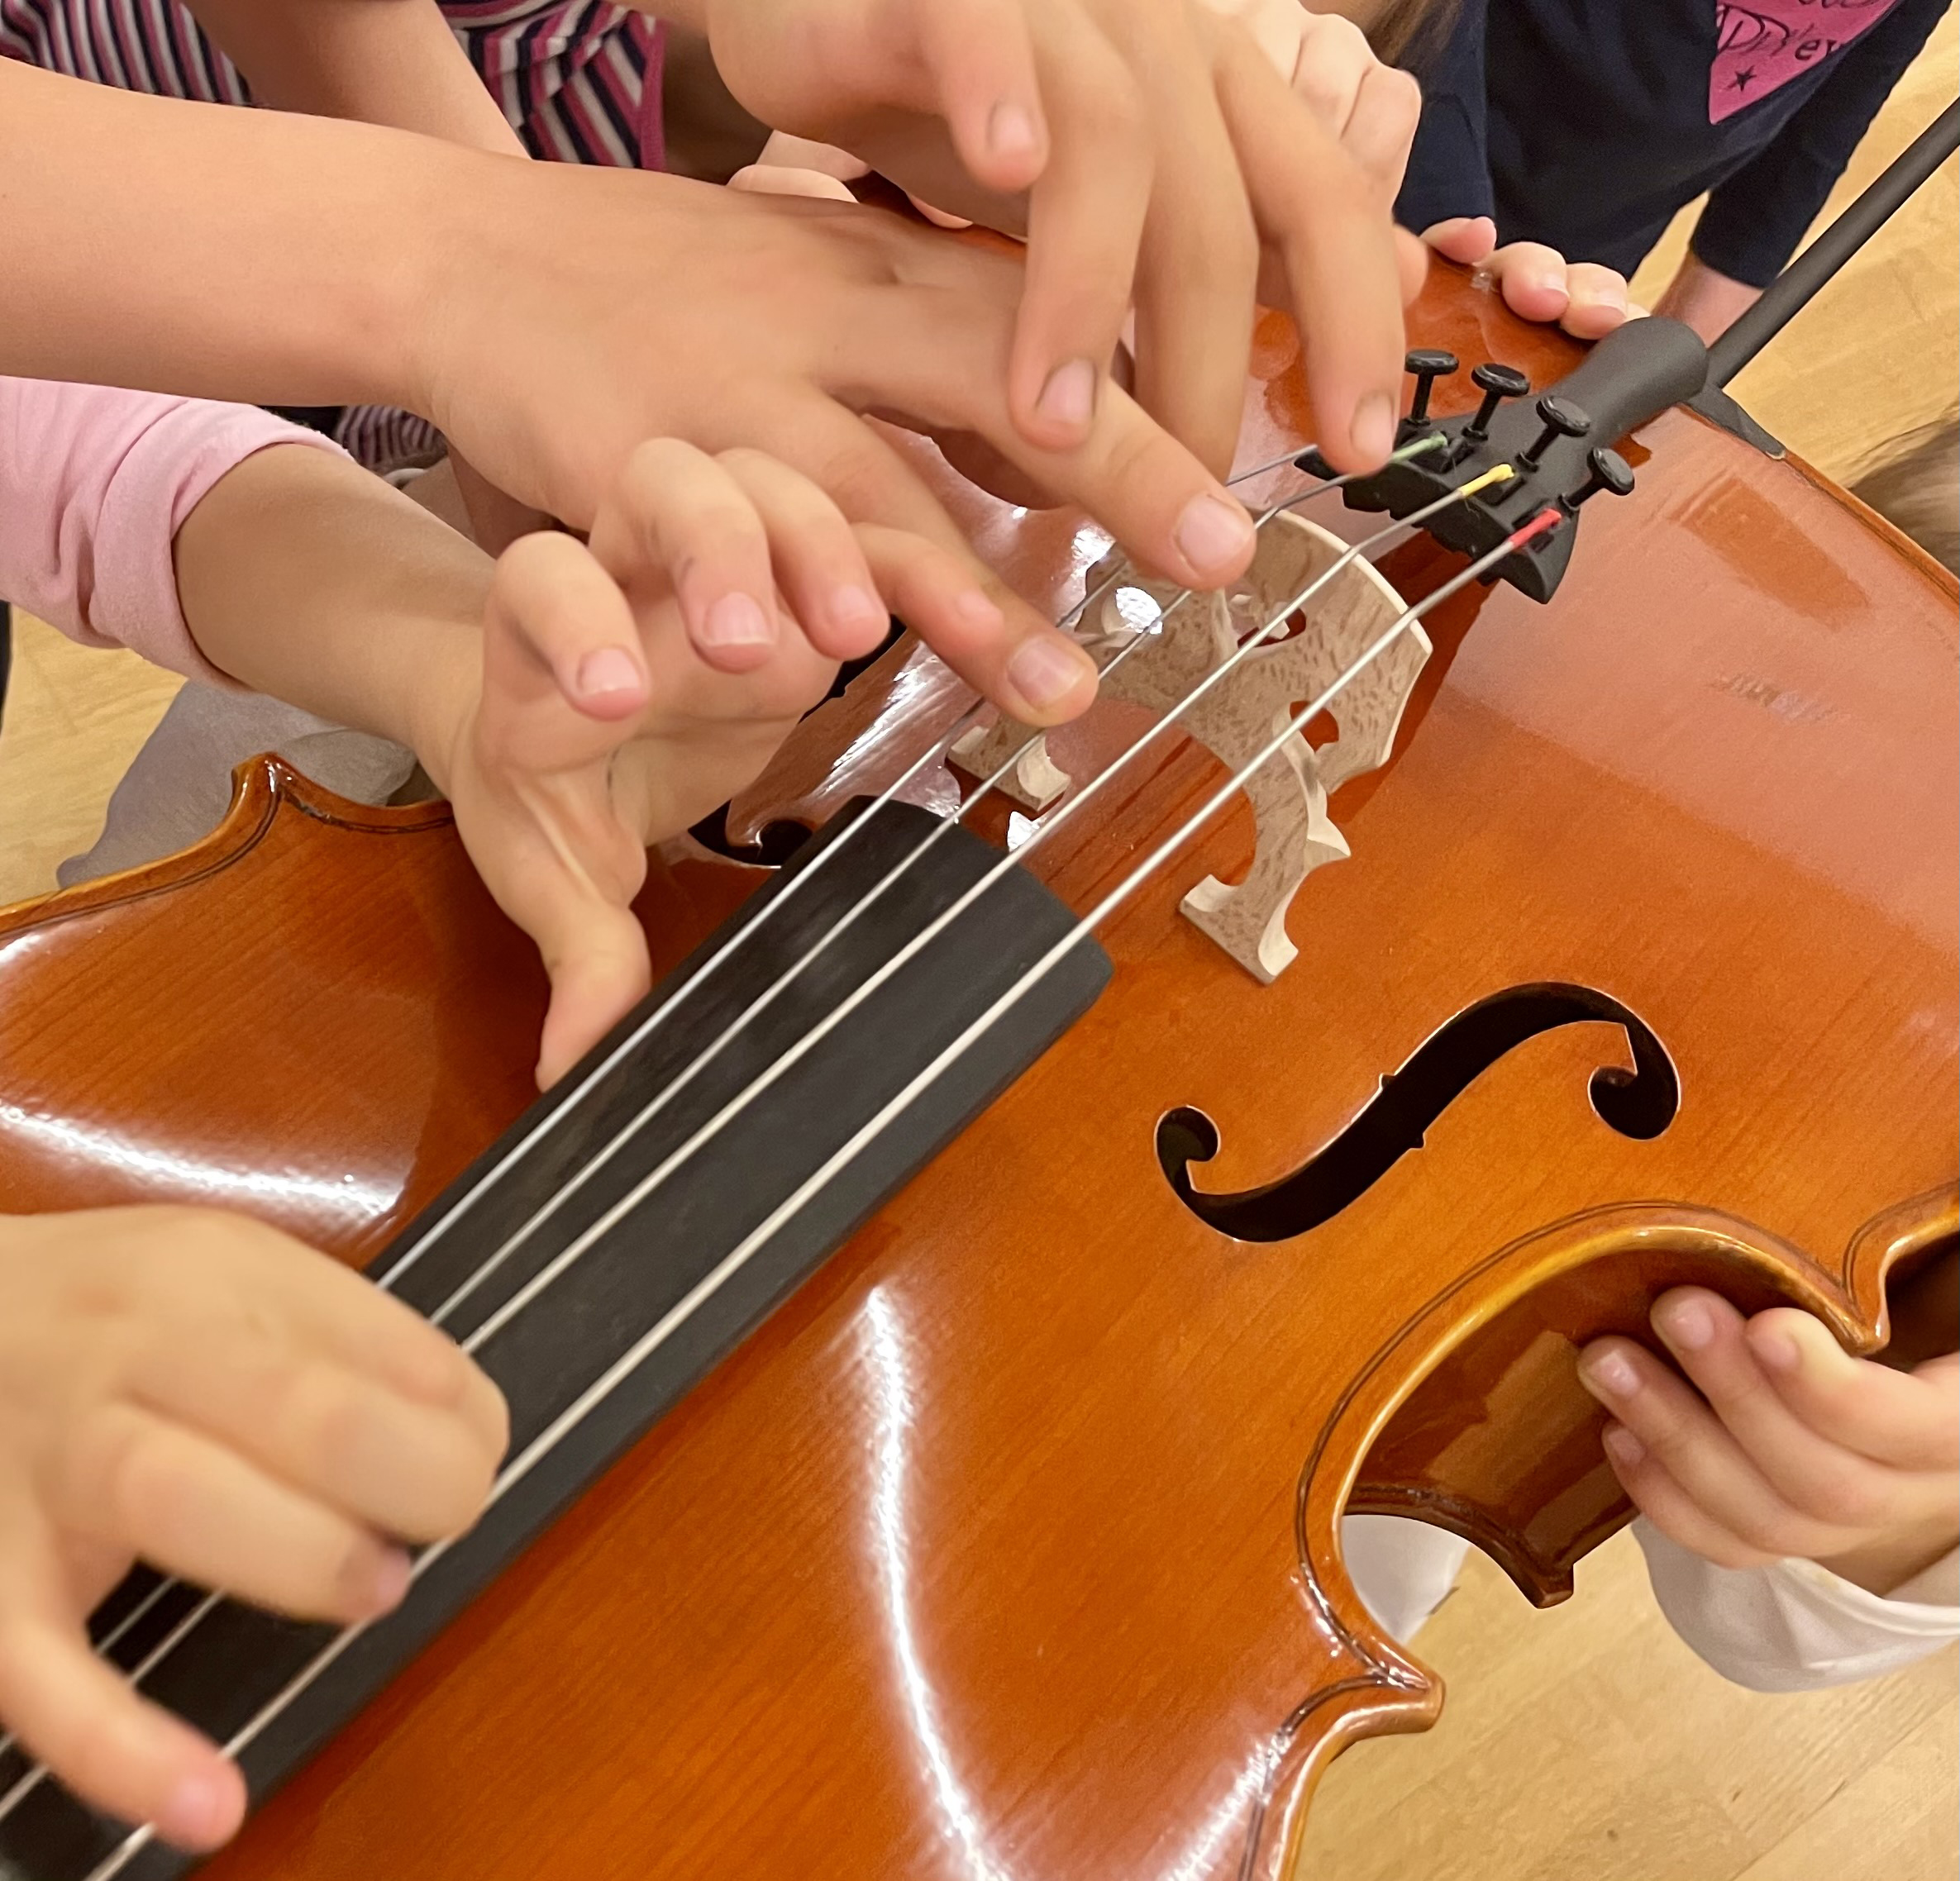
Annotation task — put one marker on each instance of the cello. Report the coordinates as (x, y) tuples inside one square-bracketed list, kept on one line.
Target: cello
[(968, 1504)]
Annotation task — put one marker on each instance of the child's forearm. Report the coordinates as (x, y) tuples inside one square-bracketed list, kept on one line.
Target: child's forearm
[(232, 254), (303, 576), (1706, 299), (390, 62)]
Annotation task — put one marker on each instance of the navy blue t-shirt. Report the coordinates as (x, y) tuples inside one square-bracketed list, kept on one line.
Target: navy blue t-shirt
[(1585, 124)]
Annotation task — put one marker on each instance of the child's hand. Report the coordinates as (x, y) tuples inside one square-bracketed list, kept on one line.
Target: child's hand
[(629, 687), (1165, 160), (1538, 283), (1371, 110), (1792, 1448), (197, 1390)]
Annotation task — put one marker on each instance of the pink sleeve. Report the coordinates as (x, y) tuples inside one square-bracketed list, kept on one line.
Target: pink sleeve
[(94, 485)]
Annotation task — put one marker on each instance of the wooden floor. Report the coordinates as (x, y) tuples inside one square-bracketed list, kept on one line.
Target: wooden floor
[(1585, 1744)]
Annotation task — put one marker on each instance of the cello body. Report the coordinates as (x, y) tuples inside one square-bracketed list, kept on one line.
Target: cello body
[(1006, 1550)]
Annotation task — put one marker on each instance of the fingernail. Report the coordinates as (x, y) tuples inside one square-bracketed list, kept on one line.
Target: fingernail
[(390, 1585), (1547, 280), (1623, 1446), (197, 1812), (736, 620), (1010, 130), (853, 608), (1043, 671), (1373, 432), (1213, 533), (1069, 397), (1612, 1374), (1686, 1324), (608, 669), (1776, 1349)]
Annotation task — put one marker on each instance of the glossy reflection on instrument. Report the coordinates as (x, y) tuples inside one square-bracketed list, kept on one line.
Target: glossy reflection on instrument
[(894, 1414), (184, 1174), (1026, 1573)]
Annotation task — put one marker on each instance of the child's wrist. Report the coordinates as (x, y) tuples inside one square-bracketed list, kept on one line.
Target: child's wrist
[(435, 281), (439, 712), (1883, 1566)]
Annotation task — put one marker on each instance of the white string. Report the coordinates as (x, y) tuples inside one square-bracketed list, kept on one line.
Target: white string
[(665, 1097), (575, 1249), (568, 1256), (629, 1361), (387, 1279), (791, 887)]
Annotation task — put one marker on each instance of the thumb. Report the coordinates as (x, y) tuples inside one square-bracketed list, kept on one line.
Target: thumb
[(565, 685), (76, 1713), (599, 971), (1464, 239), (565, 676)]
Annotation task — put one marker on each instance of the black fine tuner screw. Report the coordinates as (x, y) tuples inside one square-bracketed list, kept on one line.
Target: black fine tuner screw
[(1608, 472), (1497, 383), (1561, 420), (1425, 366)]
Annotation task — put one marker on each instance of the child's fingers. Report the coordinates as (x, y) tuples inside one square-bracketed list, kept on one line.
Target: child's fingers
[(1085, 224), (818, 565), (1910, 1419), (1532, 279), (1329, 220), (1684, 1437), (557, 627), (1146, 488), (994, 641), (1329, 66), (1596, 301), (75, 1713), (780, 179), (677, 514), (202, 1512), (1370, 109), (596, 977), (1670, 1508), (1192, 358), (1381, 127), (1804, 1464), (1468, 240), (1025, 666), (982, 61), (333, 1435), (309, 1300)]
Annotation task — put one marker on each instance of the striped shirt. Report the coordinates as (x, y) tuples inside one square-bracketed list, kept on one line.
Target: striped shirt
[(579, 81)]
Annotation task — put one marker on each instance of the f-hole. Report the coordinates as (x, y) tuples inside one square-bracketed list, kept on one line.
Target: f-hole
[(1639, 1103)]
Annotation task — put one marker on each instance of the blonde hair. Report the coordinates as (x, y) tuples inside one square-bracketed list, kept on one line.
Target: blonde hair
[(1409, 33), (1915, 486)]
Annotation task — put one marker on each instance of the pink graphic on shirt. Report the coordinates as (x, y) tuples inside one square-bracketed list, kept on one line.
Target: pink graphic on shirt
[(1769, 42)]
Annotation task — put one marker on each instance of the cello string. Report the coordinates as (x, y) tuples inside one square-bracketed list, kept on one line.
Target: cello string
[(601, 1388), (792, 886), (670, 1092), (630, 1361), (705, 1133), (561, 1262), (11, 1797)]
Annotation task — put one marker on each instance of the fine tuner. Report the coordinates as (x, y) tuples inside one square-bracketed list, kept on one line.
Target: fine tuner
[(1557, 448)]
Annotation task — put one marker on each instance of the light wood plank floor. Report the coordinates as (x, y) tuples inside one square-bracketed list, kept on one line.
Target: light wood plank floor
[(1585, 1744)]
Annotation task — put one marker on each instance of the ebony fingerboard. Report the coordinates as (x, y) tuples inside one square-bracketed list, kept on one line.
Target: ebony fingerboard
[(238, 1661)]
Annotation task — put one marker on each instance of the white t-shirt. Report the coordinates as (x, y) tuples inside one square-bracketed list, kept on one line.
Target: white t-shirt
[(1789, 1626)]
